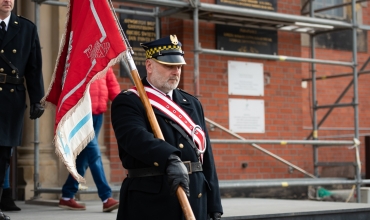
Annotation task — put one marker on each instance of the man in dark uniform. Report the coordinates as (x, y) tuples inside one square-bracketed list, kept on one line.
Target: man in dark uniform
[(20, 59), (156, 167)]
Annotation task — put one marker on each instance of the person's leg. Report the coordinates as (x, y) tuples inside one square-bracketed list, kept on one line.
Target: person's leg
[(70, 187), (6, 179), (7, 202), (97, 170), (5, 153), (7, 174), (95, 162)]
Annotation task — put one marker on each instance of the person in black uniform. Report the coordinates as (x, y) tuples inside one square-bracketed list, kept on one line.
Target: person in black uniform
[(20, 59), (156, 167)]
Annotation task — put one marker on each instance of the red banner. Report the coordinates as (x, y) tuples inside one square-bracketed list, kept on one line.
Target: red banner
[(91, 44)]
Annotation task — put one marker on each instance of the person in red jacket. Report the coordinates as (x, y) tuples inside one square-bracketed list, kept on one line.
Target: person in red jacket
[(100, 91)]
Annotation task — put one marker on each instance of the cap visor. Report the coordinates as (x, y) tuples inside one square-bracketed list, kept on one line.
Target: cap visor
[(170, 60)]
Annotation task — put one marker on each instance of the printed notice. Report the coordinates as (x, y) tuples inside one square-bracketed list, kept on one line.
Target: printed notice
[(247, 116), (138, 29), (266, 5), (245, 78), (247, 40)]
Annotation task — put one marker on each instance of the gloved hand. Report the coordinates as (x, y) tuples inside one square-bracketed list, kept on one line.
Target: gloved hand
[(36, 110), (177, 174), (215, 216)]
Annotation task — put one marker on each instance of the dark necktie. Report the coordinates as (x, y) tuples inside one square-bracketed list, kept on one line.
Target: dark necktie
[(3, 31)]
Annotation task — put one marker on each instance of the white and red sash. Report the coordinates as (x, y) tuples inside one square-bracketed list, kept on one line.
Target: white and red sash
[(159, 100)]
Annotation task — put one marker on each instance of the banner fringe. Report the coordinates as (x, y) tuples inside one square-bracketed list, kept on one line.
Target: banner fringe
[(78, 150), (43, 101), (83, 144), (58, 149)]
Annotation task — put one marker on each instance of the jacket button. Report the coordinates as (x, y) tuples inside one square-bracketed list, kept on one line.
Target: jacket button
[(199, 195), (13, 71), (181, 146), (1, 89), (12, 90), (14, 51), (156, 164), (1, 69), (1, 51)]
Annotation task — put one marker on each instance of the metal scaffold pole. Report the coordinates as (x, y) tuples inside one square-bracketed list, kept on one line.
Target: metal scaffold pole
[(355, 96), (314, 99), (36, 182), (196, 48)]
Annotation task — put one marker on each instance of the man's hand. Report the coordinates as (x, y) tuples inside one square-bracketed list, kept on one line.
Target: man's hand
[(177, 174), (36, 110), (215, 216)]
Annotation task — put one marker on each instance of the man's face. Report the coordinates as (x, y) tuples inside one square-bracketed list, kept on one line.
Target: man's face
[(6, 6), (163, 77)]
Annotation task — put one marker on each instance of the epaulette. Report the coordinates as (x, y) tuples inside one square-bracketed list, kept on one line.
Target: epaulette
[(126, 92), (20, 16), (186, 93)]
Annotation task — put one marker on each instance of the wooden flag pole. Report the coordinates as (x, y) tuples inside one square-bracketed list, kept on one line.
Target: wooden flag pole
[(135, 77), (184, 202)]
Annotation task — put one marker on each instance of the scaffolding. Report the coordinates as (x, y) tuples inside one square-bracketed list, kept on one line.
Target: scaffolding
[(246, 17)]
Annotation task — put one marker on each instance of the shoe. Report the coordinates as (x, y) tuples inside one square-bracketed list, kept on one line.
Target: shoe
[(71, 205), (7, 202), (3, 216), (110, 205)]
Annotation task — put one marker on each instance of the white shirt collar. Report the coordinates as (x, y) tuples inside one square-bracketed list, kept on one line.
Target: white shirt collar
[(170, 94), (6, 20)]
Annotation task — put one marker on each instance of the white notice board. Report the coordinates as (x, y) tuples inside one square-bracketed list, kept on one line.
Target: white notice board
[(245, 78), (247, 116)]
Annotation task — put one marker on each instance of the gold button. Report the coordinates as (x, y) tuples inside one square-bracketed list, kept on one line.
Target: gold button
[(199, 195), (13, 71), (181, 146), (14, 51), (12, 90), (1, 89), (1, 69), (156, 164), (1, 51)]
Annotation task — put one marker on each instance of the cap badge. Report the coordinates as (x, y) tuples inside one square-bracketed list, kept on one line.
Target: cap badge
[(174, 39)]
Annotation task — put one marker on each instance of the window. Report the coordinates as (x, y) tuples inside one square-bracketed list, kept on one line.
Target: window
[(335, 12), (337, 39)]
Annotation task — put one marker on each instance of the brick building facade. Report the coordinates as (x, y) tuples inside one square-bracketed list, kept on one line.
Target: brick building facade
[(287, 97), (288, 112)]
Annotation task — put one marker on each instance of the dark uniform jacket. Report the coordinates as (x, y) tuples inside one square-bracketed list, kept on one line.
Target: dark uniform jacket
[(149, 197), (21, 47)]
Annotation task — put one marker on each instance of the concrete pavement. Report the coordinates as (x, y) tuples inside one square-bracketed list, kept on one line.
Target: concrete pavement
[(232, 207)]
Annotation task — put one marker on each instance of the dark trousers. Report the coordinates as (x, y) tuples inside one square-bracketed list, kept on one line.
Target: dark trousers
[(5, 154)]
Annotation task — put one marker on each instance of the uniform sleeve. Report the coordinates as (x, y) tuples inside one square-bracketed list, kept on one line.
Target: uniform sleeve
[(112, 84), (33, 73)]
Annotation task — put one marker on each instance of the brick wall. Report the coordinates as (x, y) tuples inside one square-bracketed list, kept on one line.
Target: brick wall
[(287, 104)]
